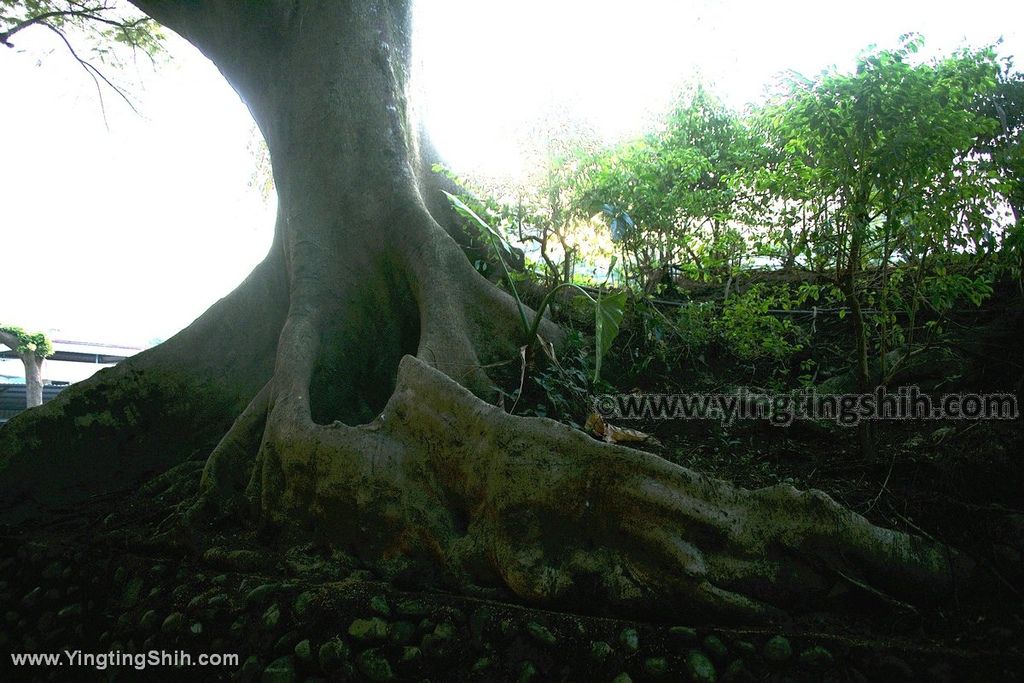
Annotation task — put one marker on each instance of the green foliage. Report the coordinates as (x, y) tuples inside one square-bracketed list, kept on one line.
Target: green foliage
[(485, 218), (37, 343), (695, 325), (496, 238), (751, 332), (669, 197), (104, 25), (608, 313), (943, 290), (608, 310), (880, 161), (895, 187), (654, 346), (537, 214), (502, 250), (878, 177), (1012, 255), (565, 386), (95, 33)]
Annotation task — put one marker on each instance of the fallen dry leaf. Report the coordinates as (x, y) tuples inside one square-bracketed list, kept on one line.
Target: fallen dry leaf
[(598, 427)]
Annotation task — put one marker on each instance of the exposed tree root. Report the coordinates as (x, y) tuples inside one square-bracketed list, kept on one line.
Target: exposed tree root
[(446, 486)]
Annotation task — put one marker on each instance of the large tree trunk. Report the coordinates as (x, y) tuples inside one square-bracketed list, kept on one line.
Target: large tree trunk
[(355, 360)]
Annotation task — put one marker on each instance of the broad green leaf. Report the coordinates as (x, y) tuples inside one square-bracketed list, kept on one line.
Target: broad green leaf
[(608, 313)]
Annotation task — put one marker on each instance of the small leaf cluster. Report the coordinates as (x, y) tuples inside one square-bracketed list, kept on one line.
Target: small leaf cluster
[(37, 343)]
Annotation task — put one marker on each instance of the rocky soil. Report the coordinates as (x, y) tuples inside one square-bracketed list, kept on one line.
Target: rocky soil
[(95, 580)]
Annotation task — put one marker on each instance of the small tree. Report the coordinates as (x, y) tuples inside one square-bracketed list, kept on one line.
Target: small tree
[(33, 349), (885, 156), (676, 185), (535, 210)]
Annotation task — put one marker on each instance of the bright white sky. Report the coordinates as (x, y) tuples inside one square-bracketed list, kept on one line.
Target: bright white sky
[(127, 234)]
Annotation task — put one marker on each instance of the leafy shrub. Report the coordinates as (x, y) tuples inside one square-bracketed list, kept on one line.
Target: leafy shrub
[(695, 324), (750, 332)]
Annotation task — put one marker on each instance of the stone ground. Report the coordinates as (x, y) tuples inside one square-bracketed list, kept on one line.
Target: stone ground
[(94, 581)]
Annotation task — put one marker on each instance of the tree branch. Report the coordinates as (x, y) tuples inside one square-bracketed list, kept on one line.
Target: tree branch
[(31, 21), (242, 38), (85, 13), (10, 340), (93, 73)]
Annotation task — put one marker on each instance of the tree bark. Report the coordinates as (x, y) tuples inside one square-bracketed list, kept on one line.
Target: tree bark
[(33, 379), (359, 368), (865, 428)]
